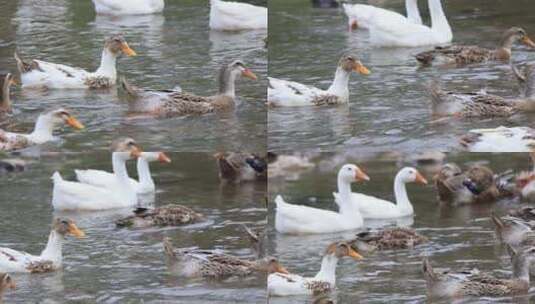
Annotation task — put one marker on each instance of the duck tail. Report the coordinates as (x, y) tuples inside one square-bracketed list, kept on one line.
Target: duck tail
[(56, 177), (429, 274), (128, 88), (169, 251)]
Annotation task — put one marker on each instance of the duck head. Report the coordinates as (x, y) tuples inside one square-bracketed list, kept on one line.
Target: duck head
[(351, 173), (117, 45), (343, 249), (66, 227), (351, 64), (447, 171), (515, 34)]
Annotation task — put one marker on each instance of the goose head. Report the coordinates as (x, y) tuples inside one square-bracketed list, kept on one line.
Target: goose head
[(6, 282), (66, 227), (411, 175), (350, 64), (343, 249), (127, 147), (63, 116), (272, 265), (515, 34), (117, 45), (155, 156), (350, 173)]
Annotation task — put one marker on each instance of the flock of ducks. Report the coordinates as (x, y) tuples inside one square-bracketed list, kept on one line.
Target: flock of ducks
[(390, 29), (476, 184)]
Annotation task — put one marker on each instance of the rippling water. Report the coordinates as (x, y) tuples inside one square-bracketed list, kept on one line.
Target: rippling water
[(388, 109), (114, 265), (461, 237), (176, 48)]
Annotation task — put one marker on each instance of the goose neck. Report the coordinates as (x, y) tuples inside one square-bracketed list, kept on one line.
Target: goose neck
[(227, 81), (107, 64), (53, 249), (413, 14), (339, 87), (143, 170), (400, 192), (327, 271), (43, 130), (439, 22)]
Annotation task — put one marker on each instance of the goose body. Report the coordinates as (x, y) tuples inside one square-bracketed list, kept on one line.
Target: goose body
[(105, 179), (168, 215), (235, 16), (69, 195), (131, 7), (467, 54), (375, 208), (396, 32), (501, 139), (49, 260), (42, 132), (298, 219), (284, 93), (284, 284), (42, 74), (175, 102), (365, 16)]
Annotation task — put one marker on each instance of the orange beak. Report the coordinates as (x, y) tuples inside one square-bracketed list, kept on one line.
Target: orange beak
[(163, 158), (361, 176), (127, 50), (247, 73), (75, 231), (353, 254), (353, 25), (360, 68), (136, 152), (528, 42), (73, 122), (281, 269), (13, 82), (420, 179)]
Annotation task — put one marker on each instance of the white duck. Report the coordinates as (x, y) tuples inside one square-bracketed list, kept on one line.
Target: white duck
[(235, 16), (375, 208), (49, 260), (501, 139), (298, 219), (105, 179), (281, 284), (391, 33), (42, 132), (284, 93), (363, 15), (42, 74), (130, 7), (69, 195)]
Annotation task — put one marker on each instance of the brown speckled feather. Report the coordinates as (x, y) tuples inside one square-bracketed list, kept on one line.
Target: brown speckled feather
[(168, 215), (394, 238)]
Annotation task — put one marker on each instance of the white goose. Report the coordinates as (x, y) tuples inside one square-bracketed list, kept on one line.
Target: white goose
[(130, 7), (42, 74), (284, 93), (235, 16), (105, 179), (297, 219), (375, 208), (69, 195), (42, 132), (363, 15), (281, 284), (501, 139), (393, 33), (49, 260)]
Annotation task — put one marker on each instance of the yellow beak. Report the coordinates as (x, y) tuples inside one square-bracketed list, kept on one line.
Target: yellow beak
[(247, 73), (528, 42), (420, 179), (136, 152), (127, 50), (361, 176), (73, 122), (75, 231), (353, 254), (163, 158), (360, 68)]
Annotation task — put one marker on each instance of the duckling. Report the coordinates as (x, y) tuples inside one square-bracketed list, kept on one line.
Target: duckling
[(6, 282), (168, 215), (452, 286), (6, 81), (510, 230), (215, 264), (280, 284), (284, 93), (49, 260), (393, 238), (237, 167), (466, 54), (174, 102), (43, 130), (42, 74), (476, 185)]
